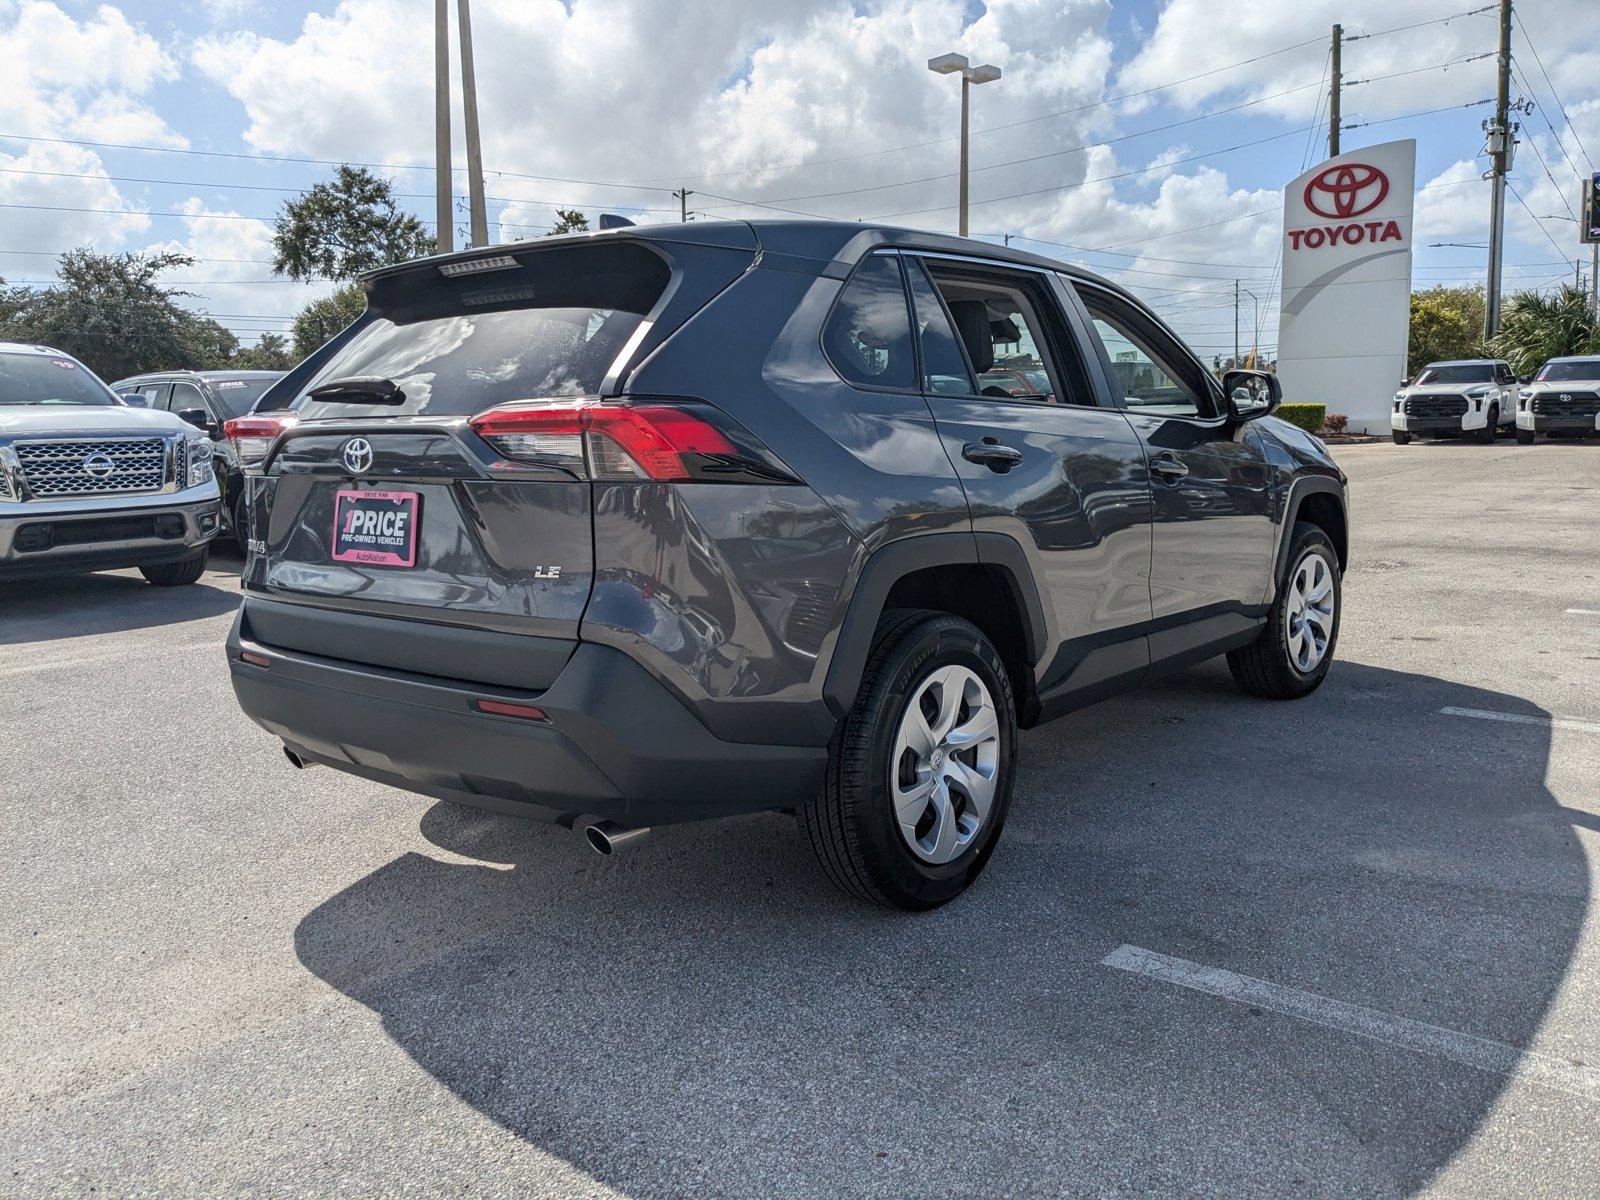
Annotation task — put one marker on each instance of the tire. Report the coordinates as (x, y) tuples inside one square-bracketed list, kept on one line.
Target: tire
[(1524, 437), (180, 573), (1486, 434), (241, 535), (932, 659), (1401, 439), (1268, 666)]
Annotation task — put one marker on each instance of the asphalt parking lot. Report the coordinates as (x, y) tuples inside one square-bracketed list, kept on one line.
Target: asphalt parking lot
[(1345, 946)]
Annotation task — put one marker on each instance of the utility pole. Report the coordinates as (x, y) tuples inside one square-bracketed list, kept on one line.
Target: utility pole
[(1334, 77), (1236, 314), (469, 103), (443, 181), (1502, 138), (683, 195)]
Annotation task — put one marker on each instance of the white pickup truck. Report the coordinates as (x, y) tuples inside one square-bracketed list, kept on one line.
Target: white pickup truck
[(1562, 400), (1446, 399), (88, 483)]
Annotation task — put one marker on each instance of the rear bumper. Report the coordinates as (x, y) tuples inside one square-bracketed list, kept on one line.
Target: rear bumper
[(44, 539), (616, 743)]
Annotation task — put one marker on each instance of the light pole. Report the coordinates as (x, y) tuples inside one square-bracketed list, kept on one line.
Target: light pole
[(950, 64)]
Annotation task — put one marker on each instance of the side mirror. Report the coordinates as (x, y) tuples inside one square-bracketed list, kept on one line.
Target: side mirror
[(1251, 394), (199, 418), (1524, 378), (134, 399)]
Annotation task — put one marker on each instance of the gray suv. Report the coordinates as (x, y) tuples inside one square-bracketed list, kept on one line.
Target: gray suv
[(676, 522)]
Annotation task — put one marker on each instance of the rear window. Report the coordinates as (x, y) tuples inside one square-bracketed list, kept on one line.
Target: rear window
[(1461, 373), (238, 396), (1569, 372), (48, 379), (540, 323)]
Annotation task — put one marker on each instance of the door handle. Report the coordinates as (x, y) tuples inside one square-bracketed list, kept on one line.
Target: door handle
[(992, 454), (1168, 467)]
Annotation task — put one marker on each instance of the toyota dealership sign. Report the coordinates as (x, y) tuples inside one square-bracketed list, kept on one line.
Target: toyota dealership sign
[(1346, 304)]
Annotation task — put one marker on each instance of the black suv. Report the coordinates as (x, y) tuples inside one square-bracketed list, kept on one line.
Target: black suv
[(207, 400), (675, 522)]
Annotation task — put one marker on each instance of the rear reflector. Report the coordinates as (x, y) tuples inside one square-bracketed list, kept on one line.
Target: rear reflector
[(500, 708), (255, 660)]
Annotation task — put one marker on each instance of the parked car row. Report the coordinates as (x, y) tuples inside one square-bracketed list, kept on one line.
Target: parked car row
[(1481, 397)]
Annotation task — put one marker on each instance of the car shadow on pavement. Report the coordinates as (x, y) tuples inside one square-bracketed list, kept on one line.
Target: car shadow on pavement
[(704, 1016), (63, 606)]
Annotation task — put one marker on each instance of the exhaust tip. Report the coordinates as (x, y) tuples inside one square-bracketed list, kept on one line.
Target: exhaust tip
[(295, 760), (607, 837)]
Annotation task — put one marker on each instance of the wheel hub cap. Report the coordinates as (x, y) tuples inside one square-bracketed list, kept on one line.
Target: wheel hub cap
[(1308, 615), (945, 764)]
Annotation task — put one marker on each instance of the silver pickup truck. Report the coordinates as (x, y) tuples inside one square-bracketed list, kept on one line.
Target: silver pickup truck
[(88, 483)]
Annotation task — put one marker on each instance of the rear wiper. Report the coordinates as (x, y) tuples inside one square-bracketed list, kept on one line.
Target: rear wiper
[(359, 389)]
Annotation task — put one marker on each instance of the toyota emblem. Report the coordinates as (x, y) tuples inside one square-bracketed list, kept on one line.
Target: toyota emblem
[(1346, 190), (98, 466), (357, 456)]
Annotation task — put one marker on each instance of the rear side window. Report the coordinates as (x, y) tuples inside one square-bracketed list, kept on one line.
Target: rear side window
[(868, 335), (944, 366), (543, 324)]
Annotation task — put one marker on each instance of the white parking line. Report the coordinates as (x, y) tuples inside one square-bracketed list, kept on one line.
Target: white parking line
[(1484, 714), (1463, 1048), (1583, 612)]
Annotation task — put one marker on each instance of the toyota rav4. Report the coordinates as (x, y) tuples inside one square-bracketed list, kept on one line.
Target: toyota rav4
[(677, 522), (1562, 400), (1476, 396)]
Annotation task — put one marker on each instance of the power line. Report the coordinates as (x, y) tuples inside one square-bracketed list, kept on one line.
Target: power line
[(1536, 220), (1471, 12), (1554, 95)]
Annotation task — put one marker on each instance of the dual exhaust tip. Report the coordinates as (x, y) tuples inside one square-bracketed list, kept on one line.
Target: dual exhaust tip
[(605, 838)]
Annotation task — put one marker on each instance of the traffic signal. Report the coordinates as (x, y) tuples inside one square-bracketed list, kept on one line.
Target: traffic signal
[(1589, 217)]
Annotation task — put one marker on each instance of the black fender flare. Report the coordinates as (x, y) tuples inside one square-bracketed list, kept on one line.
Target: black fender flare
[(1299, 489), (893, 562)]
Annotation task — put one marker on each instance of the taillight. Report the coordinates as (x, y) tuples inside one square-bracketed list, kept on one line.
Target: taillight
[(665, 441), (252, 437)]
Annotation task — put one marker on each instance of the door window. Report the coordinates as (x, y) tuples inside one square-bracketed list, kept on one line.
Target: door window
[(186, 395), (1001, 329), (1148, 376), (944, 366), (868, 335)]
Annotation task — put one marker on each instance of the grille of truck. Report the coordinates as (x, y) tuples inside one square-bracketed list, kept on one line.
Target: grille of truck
[(70, 467), (1436, 406), (1567, 404)]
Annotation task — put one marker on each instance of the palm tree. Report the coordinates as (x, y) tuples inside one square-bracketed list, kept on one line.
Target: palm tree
[(1535, 327)]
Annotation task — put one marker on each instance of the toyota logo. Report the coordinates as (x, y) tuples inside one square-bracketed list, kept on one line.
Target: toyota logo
[(1347, 190), (357, 455), (98, 466)]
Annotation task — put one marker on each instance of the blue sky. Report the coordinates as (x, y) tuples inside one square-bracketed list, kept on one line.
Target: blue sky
[(791, 105)]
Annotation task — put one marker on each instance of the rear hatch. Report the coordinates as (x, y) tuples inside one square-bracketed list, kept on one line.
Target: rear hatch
[(383, 504)]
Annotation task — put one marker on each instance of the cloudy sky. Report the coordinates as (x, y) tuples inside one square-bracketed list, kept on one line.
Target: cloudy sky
[(1147, 139)]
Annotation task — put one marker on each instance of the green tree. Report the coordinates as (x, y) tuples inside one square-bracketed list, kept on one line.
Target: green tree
[(270, 353), (321, 319), (110, 311), (1446, 323), (569, 220), (1534, 327), (338, 230)]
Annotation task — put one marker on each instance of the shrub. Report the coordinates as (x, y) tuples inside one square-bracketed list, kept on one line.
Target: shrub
[(1336, 423), (1308, 416)]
